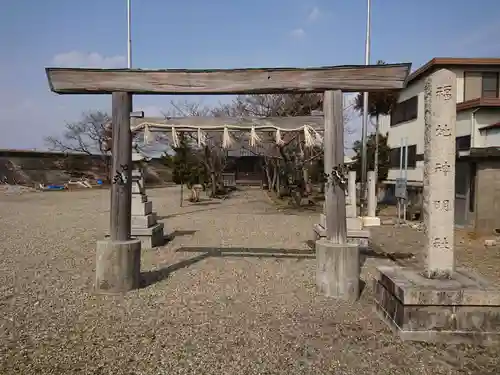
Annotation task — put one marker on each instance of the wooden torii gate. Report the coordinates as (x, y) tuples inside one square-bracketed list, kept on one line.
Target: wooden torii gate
[(118, 258)]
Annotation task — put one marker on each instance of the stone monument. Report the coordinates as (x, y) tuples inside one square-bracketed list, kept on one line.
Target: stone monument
[(144, 225), (372, 220), (440, 302)]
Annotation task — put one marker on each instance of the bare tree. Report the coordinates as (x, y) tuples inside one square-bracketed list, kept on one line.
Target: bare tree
[(292, 154), (88, 136)]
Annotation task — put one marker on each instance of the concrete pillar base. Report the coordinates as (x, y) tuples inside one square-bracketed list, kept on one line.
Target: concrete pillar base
[(338, 269), (118, 265), (371, 221)]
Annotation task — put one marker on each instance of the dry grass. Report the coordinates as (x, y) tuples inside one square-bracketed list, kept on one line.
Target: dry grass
[(251, 308)]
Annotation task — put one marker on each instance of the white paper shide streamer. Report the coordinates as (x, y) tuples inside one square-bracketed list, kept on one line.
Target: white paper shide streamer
[(308, 137), (227, 141), (311, 137), (175, 138), (318, 138), (254, 138), (148, 135), (202, 138), (279, 140)]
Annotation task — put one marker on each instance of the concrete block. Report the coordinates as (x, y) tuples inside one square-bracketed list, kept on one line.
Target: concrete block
[(360, 237), (389, 221), (137, 174), (150, 237), (137, 188), (118, 265), (139, 198), (338, 269), (141, 208), (371, 221), (351, 211), (353, 223), (462, 309), (490, 243), (145, 221)]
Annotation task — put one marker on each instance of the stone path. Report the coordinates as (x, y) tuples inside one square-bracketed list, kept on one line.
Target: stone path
[(232, 293)]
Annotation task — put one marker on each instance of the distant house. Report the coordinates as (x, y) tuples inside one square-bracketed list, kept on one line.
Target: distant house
[(246, 163)]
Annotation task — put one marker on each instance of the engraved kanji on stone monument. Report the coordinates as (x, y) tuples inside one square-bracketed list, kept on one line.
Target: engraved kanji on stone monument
[(439, 172)]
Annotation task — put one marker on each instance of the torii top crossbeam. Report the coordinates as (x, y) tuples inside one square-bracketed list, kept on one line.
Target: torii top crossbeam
[(352, 78)]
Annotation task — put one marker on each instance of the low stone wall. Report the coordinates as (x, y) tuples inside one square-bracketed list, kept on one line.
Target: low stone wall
[(19, 167)]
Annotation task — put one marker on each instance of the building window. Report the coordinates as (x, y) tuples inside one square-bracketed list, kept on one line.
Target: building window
[(463, 143), (472, 187), (490, 85), (405, 111), (412, 156), (395, 157)]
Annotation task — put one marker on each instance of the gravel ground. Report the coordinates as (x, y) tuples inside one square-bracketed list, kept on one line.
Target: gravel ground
[(250, 309)]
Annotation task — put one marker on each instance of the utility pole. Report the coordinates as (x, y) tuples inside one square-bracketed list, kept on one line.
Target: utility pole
[(129, 36), (364, 135)]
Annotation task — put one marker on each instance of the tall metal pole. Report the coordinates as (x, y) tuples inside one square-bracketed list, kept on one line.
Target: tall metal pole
[(364, 135), (129, 35)]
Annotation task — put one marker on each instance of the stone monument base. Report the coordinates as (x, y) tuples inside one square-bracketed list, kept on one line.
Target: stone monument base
[(371, 221), (360, 237), (150, 237), (464, 309)]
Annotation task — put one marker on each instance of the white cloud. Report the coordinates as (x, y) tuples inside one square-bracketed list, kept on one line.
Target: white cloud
[(78, 59), (298, 33), (313, 14)]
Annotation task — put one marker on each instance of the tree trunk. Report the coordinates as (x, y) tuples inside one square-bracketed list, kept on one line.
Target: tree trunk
[(268, 174), (278, 184), (305, 176), (182, 194), (375, 159), (275, 177), (213, 181), (107, 167)]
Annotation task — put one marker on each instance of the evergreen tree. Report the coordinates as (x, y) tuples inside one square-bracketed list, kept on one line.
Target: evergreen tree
[(186, 167), (384, 155)]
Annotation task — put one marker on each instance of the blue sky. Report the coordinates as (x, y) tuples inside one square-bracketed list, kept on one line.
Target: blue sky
[(212, 34)]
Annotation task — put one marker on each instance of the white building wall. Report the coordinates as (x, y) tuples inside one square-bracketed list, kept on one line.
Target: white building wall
[(414, 130), (460, 84), (491, 137), (487, 116), (463, 124)]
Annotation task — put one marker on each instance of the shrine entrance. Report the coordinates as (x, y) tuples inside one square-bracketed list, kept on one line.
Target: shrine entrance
[(119, 256)]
